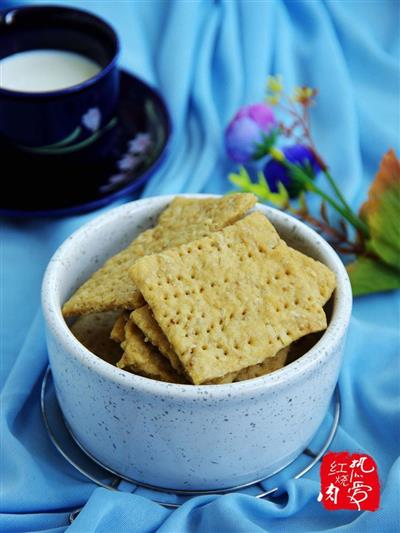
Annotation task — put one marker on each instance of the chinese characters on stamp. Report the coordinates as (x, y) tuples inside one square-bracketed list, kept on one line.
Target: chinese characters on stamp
[(349, 481)]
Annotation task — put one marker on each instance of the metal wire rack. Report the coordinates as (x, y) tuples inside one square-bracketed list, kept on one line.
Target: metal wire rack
[(69, 447)]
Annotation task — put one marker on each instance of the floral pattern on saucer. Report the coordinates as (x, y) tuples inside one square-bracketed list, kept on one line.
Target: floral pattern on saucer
[(77, 180), (138, 149), (92, 119)]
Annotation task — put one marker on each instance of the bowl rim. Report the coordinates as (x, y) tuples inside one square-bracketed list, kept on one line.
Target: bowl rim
[(332, 336)]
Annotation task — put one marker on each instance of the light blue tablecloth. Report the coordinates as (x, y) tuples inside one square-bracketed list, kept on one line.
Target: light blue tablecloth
[(208, 58)]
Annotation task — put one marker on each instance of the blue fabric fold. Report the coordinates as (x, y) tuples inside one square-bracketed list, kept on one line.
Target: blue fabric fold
[(207, 58)]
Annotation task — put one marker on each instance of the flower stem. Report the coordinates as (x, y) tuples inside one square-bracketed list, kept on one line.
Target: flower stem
[(338, 240), (336, 189), (298, 174), (344, 203), (301, 119), (360, 225)]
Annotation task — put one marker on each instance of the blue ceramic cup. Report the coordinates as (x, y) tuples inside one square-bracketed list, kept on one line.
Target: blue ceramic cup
[(75, 121)]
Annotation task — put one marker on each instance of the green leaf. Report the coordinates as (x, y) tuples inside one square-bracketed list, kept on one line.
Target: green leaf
[(241, 180), (268, 141), (308, 169), (279, 199), (261, 188), (369, 275), (284, 198), (382, 211)]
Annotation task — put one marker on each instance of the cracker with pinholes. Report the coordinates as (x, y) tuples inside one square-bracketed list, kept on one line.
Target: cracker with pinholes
[(230, 300), (93, 331), (184, 220), (144, 359), (146, 322)]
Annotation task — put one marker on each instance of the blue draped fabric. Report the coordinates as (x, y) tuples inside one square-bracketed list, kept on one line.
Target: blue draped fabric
[(208, 58)]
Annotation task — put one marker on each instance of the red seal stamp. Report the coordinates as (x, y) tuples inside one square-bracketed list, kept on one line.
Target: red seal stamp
[(349, 481)]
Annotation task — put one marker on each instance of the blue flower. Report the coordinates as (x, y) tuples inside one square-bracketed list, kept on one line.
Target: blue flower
[(247, 130), (276, 172)]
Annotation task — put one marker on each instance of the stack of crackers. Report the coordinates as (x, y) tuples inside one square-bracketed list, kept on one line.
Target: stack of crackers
[(207, 296)]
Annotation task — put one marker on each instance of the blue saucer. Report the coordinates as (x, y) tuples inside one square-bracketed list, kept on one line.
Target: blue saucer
[(37, 187)]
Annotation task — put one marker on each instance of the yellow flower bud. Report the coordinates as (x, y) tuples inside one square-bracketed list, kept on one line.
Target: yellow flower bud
[(277, 154), (273, 99), (274, 84), (303, 94)]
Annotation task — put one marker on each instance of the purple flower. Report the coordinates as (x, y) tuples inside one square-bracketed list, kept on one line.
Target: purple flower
[(247, 129), (276, 172)]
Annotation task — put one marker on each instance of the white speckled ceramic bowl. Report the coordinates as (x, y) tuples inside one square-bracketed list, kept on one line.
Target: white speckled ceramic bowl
[(185, 436)]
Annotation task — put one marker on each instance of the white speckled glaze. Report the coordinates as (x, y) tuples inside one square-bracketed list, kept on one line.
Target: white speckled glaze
[(184, 436)]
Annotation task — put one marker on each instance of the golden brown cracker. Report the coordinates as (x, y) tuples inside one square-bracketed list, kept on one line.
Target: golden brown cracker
[(230, 300), (316, 271), (93, 331), (118, 331), (212, 213), (266, 367), (184, 220), (146, 322), (143, 358)]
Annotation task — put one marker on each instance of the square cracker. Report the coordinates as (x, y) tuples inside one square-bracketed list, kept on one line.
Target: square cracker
[(184, 220), (230, 300), (146, 322), (143, 358), (93, 331)]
